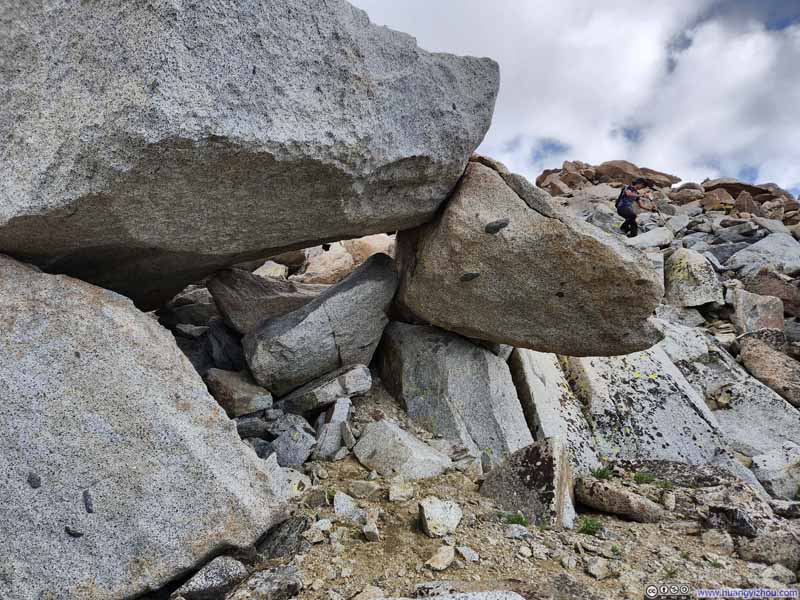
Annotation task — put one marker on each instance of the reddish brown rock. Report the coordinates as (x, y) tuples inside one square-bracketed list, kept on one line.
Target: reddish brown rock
[(768, 282), (717, 199), (626, 172), (772, 368), (746, 204), (733, 186)]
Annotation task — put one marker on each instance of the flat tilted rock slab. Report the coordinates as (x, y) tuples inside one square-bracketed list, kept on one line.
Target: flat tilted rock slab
[(551, 408), (502, 265), (119, 472), (453, 388), (146, 145), (642, 406)]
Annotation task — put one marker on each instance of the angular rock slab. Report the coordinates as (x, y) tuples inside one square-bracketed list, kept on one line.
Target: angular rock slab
[(613, 498), (691, 280), (779, 471), (642, 406), (753, 419), (139, 474), (537, 481), (453, 388), (551, 408), (778, 250), (247, 300), (752, 312), (342, 383), (340, 327), (237, 393), (543, 281), (774, 369), (391, 451), (147, 146), (214, 580), (767, 282), (660, 237)]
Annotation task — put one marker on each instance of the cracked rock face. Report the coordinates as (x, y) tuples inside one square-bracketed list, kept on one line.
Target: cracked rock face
[(544, 281), (147, 144), (118, 469)]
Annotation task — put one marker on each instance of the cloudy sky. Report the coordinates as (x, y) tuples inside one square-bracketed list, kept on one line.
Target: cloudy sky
[(698, 88)]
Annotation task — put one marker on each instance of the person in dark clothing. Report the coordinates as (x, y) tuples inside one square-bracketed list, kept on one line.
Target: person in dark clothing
[(628, 196)]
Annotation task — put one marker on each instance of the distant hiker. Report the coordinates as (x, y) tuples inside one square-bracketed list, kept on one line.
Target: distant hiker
[(628, 196)]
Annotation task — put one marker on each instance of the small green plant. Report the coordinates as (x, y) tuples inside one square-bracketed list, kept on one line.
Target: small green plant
[(644, 477), (685, 554), (589, 526), (715, 563), (515, 519), (329, 495), (602, 473), (616, 550), (670, 571), (665, 484)]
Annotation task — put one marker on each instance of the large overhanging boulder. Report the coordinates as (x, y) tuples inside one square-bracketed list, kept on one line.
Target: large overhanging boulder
[(501, 264), (148, 144), (119, 472)]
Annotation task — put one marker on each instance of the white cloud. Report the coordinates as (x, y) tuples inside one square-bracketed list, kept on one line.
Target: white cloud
[(579, 73)]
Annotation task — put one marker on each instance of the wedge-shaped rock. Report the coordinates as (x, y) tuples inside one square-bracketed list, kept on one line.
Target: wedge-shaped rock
[(120, 471), (324, 391), (778, 250), (768, 282), (247, 300), (550, 407), (772, 368), (542, 281), (453, 388), (329, 431), (237, 393), (660, 237), (537, 481), (752, 312), (691, 279), (616, 499), (391, 451), (214, 580), (340, 327), (145, 146), (779, 471), (642, 406)]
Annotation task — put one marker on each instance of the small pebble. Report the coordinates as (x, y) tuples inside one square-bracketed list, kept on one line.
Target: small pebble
[(469, 276), (73, 532), (468, 554), (34, 480), (517, 532), (442, 558), (496, 226), (88, 502)]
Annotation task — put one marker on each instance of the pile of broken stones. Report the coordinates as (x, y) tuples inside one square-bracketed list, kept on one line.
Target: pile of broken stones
[(386, 366)]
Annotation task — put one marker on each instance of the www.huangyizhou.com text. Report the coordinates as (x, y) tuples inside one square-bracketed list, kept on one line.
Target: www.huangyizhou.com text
[(739, 593)]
